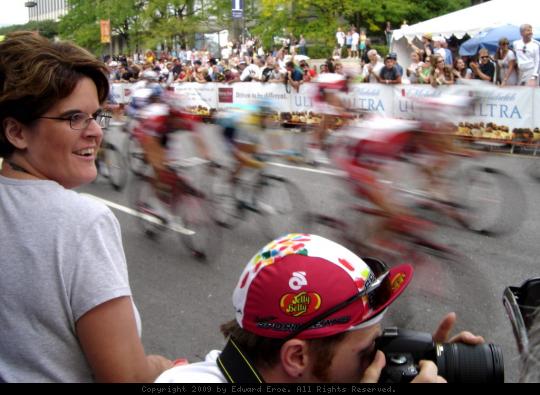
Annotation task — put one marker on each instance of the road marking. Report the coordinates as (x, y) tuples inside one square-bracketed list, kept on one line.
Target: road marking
[(174, 227), (336, 173)]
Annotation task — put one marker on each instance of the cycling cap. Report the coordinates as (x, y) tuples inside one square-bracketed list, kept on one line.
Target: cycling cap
[(306, 286)]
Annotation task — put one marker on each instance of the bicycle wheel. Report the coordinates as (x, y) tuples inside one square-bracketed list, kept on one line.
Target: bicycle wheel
[(202, 235), (228, 209), (490, 201), (281, 206), (116, 166), (151, 213), (135, 155)]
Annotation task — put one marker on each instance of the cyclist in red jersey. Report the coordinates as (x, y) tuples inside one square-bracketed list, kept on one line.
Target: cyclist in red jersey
[(164, 114)]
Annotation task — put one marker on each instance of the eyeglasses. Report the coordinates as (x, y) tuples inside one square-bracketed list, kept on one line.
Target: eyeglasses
[(484, 57), (81, 120), (522, 305), (378, 293)]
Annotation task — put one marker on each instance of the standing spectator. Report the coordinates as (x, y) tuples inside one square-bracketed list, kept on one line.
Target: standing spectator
[(355, 39), (373, 68), (67, 311), (389, 74), (388, 33), (528, 57), (348, 43), (365, 58), (461, 71), (506, 63), (424, 71), (485, 69), (302, 45), (294, 76), (426, 50), (441, 74), (362, 46), (412, 70), (340, 39), (393, 55)]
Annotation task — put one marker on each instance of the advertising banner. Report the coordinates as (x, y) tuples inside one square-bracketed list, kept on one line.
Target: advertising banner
[(370, 97), (197, 94)]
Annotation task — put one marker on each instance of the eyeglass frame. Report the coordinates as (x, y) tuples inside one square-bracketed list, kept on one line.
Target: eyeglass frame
[(99, 116), (340, 306)]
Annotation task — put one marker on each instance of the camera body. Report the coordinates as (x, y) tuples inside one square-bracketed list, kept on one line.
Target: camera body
[(456, 362)]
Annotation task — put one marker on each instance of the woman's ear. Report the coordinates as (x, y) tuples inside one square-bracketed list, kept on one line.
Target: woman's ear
[(13, 131), (294, 357)]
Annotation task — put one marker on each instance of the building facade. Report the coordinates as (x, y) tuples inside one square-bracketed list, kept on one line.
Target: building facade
[(42, 10)]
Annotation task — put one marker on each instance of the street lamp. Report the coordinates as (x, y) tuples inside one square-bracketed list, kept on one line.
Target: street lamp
[(29, 5)]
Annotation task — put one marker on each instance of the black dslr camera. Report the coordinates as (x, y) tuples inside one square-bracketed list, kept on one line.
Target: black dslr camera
[(456, 362)]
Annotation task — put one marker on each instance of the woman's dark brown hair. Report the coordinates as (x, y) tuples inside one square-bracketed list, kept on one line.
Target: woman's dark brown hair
[(264, 352), (36, 73)]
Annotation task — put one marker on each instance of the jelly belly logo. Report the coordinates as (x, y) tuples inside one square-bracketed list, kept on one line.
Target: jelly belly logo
[(225, 95), (302, 303)]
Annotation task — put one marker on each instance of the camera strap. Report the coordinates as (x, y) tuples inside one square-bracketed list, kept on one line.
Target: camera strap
[(236, 367)]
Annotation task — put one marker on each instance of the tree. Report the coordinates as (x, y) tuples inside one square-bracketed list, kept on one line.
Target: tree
[(81, 24), (318, 20), (47, 29)]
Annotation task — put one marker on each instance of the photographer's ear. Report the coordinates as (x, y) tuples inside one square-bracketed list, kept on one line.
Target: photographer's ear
[(294, 357)]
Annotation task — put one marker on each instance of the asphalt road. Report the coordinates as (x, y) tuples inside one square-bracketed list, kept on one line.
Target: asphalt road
[(183, 301)]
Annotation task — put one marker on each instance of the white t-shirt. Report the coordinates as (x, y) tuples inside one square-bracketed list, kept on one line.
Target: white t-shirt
[(61, 256), (252, 71), (199, 372)]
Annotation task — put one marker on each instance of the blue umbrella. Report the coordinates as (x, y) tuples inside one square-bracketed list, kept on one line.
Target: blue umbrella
[(489, 39)]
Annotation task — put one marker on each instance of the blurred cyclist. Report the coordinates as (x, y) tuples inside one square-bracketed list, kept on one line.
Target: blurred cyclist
[(242, 125), (329, 105), (164, 114)]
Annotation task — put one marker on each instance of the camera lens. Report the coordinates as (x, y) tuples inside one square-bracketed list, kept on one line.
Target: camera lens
[(463, 363)]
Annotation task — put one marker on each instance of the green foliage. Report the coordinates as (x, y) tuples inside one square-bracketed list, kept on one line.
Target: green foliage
[(47, 29), (147, 23)]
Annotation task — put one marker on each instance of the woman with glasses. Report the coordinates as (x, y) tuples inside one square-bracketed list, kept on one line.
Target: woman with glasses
[(440, 73), (506, 63), (67, 312)]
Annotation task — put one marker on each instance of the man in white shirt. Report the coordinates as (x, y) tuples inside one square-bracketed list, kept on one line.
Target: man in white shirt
[(528, 57), (340, 38), (252, 72)]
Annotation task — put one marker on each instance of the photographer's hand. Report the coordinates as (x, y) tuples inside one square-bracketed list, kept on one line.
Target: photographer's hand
[(442, 333), (373, 371), (428, 373)]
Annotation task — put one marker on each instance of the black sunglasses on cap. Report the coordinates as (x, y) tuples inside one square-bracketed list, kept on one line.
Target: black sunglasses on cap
[(522, 306), (378, 293)]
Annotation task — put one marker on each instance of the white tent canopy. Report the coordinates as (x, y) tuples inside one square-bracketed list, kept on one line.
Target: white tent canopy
[(471, 21)]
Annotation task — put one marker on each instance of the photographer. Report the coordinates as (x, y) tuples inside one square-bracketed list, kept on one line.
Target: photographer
[(308, 310)]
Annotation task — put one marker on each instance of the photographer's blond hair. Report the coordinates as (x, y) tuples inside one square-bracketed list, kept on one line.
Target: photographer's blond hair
[(36, 73)]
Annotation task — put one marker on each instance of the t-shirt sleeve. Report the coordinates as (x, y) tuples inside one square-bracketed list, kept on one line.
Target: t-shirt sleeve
[(100, 272)]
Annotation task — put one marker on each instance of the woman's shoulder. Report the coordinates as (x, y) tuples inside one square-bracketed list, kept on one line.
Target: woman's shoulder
[(76, 206)]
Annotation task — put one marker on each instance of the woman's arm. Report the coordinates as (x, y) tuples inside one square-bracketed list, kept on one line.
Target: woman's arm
[(113, 349)]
